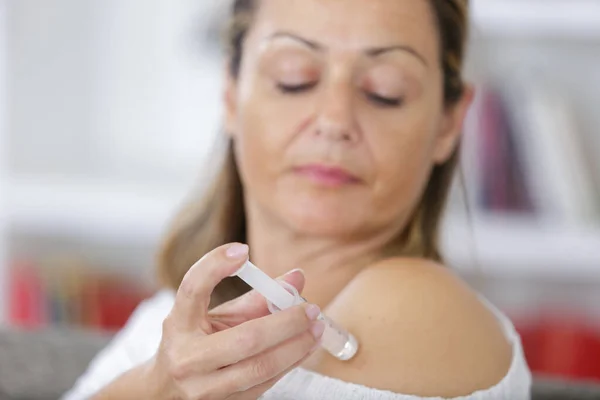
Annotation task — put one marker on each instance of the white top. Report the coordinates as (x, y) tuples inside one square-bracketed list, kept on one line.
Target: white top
[(140, 338)]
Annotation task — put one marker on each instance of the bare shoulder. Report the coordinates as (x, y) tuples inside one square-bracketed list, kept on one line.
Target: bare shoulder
[(422, 331)]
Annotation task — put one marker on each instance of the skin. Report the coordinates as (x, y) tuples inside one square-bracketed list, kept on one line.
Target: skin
[(356, 85), (328, 46), (428, 335), (293, 222), (236, 351)]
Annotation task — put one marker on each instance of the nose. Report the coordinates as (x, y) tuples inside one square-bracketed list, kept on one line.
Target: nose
[(336, 121)]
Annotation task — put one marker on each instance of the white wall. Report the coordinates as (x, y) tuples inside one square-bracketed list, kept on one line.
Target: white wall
[(111, 88), (158, 95), (109, 103), (3, 258)]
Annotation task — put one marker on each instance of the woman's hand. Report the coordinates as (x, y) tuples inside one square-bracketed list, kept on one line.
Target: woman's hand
[(236, 351)]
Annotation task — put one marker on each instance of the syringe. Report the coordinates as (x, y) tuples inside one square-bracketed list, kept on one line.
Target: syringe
[(335, 340)]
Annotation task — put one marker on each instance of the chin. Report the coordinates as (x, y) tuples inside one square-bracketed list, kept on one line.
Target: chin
[(322, 216)]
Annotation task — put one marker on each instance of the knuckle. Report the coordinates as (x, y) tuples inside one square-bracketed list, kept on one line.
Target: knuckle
[(301, 346), (307, 341), (213, 273), (295, 320), (179, 370), (247, 342), (299, 314), (263, 368), (188, 287)]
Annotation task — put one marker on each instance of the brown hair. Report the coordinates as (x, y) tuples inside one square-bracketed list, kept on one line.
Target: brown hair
[(219, 217)]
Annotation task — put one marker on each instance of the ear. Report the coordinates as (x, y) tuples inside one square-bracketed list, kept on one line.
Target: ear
[(230, 104), (451, 126)]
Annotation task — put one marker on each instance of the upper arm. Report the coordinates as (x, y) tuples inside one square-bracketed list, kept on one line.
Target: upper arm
[(420, 330)]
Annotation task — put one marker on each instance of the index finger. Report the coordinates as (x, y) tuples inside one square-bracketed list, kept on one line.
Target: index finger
[(251, 305), (193, 296)]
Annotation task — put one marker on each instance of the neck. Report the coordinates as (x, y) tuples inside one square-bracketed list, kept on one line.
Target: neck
[(329, 263)]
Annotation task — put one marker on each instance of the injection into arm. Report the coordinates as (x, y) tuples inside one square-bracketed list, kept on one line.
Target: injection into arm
[(280, 296)]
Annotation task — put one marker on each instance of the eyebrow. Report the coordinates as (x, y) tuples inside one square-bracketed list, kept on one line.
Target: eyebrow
[(371, 52), (288, 35), (375, 52)]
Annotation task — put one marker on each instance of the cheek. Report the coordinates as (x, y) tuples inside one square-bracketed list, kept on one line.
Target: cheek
[(403, 151), (265, 128)]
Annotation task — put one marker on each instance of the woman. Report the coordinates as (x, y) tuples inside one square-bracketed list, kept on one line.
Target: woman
[(343, 119)]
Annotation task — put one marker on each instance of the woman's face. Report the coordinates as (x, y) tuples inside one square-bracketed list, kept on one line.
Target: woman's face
[(338, 114)]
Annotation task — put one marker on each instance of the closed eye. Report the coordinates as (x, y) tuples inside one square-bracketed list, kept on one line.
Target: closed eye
[(384, 101), (295, 89)]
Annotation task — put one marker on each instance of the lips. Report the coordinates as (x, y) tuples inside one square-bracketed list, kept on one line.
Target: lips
[(326, 175)]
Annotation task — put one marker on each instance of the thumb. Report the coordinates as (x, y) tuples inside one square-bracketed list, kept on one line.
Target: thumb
[(252, 305)]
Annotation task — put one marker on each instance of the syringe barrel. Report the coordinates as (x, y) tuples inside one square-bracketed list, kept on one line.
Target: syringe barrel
[(337, 341), (280, 295)]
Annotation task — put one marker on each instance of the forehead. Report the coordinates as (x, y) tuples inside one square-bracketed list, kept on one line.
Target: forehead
[(352, 25)]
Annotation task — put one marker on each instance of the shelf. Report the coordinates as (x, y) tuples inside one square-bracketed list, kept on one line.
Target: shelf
[(130, 215), (555, 18), (518, 248)]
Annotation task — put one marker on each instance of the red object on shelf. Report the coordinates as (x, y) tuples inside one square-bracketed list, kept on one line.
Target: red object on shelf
[(562, 346), (70, 296), (116, 301), (26, 296)]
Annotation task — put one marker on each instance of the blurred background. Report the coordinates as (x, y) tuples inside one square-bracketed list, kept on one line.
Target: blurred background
[(109, 110)]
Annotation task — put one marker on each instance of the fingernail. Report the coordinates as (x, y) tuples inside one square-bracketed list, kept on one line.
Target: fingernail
[(317, 329), (312, 311), (295, 270), (237, 250)]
